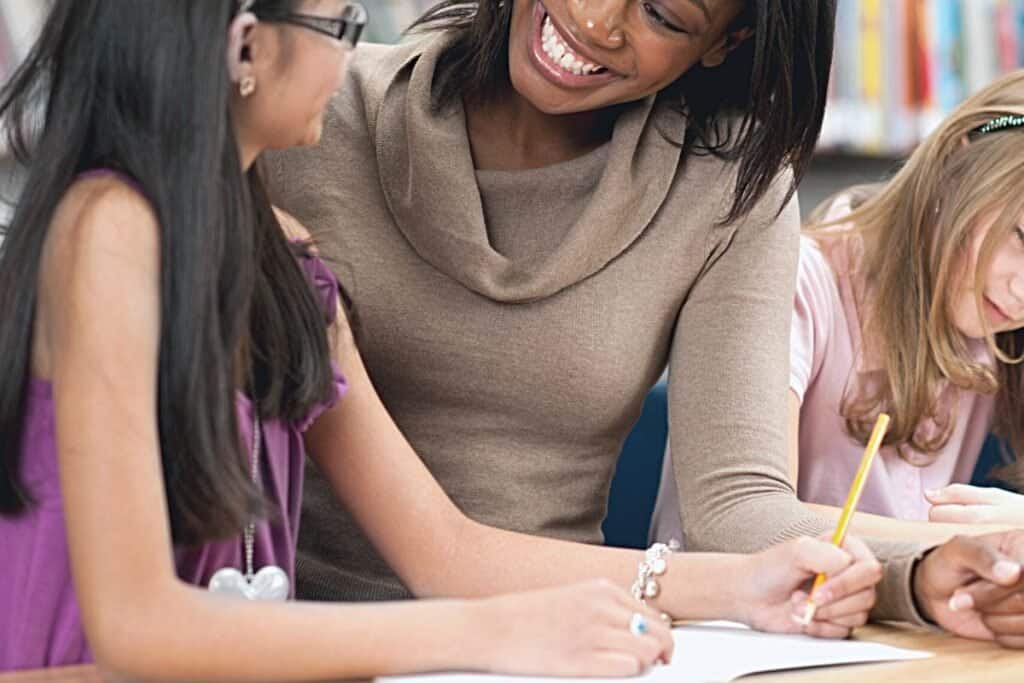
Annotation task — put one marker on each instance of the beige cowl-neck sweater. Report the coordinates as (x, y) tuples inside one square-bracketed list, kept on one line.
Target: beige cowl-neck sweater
[(513, 323)]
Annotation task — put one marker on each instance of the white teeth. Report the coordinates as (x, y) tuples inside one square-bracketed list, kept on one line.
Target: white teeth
[(563, 55)]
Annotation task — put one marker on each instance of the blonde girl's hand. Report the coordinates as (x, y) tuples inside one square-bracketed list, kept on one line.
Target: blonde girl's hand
[(779, 578), (578, 630), (964, 504)]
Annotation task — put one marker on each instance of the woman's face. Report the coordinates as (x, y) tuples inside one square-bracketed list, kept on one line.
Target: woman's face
[(571, 56), (296, 70), (1002, 292)]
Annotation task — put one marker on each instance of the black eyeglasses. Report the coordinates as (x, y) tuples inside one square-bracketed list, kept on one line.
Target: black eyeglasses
[(347, 28)]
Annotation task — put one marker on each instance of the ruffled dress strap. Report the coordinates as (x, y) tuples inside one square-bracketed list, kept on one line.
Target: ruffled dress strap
[(328, 291)]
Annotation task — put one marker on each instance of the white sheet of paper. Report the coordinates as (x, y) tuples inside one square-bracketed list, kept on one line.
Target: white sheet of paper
[(723, 651)]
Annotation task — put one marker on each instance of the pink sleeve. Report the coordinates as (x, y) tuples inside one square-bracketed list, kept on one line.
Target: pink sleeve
[(813, 316)]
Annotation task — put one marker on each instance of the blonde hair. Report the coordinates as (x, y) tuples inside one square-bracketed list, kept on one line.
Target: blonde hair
[(914, 230)]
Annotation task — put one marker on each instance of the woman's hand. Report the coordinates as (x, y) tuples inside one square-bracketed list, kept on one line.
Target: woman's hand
[(963, 504), (775, 587), (577, 630)]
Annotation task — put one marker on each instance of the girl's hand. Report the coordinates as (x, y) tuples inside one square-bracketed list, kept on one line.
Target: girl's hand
[(773, 594), (578, 630), (963, 504)]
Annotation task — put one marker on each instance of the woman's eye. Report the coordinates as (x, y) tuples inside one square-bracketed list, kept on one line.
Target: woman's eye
[(658, 18)]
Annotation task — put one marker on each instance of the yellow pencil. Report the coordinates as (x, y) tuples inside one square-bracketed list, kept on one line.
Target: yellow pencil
[(852, 498)]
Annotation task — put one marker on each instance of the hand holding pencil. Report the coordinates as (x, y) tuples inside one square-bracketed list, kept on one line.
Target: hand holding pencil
[(773, 587), (852, 498)]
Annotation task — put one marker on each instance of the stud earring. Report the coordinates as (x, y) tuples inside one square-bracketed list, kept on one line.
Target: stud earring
[(247, 86)]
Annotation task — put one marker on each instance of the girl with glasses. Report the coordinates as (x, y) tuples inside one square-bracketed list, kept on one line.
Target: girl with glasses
[(157, 313)]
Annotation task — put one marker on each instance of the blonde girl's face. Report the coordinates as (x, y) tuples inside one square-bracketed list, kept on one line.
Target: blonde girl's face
[(1002, 291), (296, 70)]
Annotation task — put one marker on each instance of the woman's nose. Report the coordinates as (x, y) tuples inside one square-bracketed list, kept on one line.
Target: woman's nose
[(599, 22)]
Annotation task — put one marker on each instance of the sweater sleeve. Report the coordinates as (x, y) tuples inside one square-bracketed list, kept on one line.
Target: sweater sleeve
[(728, 378)]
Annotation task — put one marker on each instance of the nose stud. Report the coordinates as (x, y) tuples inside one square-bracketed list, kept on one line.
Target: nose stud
[(590, 25)]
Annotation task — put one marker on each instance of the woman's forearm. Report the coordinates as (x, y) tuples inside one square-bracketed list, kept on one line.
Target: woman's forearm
[(489, 561)]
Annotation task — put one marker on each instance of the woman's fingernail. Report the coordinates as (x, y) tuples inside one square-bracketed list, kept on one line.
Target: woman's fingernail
[(821, 596), (961, 601), (932, 493), (1006, 571)]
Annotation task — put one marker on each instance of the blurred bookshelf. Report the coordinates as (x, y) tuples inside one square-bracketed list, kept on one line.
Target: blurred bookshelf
[(901, 65)]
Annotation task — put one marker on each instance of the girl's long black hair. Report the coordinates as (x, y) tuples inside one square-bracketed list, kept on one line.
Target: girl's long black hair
[(776, 83), (142, 87)]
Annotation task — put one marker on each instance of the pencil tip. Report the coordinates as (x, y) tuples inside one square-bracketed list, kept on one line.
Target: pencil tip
[(809, 614)]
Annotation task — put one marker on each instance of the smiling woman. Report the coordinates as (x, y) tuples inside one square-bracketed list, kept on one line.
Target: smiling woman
[(536, 243), (526, 246), (711, 60), (535, 238)]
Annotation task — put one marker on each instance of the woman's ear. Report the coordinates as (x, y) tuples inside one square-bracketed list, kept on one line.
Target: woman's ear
[(239, 34), (729, 41)]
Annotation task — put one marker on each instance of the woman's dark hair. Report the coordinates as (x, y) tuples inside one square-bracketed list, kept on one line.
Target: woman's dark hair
[(776, 82), (142, 87)]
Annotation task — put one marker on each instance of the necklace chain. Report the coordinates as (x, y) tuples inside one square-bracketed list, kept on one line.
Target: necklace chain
[(249, 533)]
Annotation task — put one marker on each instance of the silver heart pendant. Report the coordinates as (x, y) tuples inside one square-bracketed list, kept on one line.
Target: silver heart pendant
[(269, 584)]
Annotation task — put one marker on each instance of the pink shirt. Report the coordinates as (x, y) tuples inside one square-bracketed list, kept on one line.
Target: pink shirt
[(824, 348), (825, 345)]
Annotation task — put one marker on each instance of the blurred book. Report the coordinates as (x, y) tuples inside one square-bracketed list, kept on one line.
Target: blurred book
[(900, 66)]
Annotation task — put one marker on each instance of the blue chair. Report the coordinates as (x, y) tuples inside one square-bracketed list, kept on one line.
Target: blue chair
[(990, 458), (638, 474)]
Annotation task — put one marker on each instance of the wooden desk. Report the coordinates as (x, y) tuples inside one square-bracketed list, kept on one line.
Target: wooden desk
[(956, 661)]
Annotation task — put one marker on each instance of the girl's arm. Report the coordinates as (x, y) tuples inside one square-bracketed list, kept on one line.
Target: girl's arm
[(984, 507), (99, 309), (952, 519)]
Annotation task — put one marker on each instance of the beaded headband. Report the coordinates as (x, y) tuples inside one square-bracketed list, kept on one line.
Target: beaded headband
[(999, 123)]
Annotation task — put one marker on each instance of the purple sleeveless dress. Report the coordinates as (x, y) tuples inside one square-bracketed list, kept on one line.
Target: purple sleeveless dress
[(40, 625)]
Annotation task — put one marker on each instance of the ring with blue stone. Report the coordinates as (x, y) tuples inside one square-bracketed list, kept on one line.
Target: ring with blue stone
[(638, 624)]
